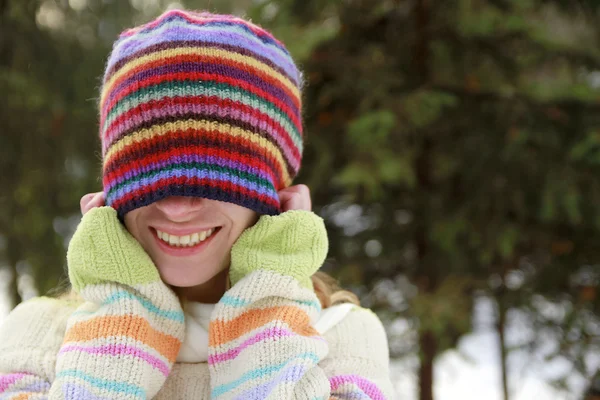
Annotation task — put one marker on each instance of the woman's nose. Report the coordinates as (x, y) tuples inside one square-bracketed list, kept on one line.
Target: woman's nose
[(179, 208)]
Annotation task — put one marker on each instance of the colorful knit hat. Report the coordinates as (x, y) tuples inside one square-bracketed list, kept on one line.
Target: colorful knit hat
[(203, 105)]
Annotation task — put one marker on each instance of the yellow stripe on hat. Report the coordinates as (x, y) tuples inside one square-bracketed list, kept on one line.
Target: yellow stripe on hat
[(225, 129), (199, 51)]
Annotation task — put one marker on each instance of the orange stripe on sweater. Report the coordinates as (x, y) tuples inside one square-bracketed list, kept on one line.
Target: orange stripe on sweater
[(134, 327), (222, 332), (23, 396)]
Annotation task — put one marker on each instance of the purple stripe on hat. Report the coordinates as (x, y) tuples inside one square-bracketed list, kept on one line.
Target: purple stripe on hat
[(203, 67), (189, 110), (167, 34), (194, 158), (214, 176), (212, 21), (175, 44), (213, 193), (215, 26), (210, 142)]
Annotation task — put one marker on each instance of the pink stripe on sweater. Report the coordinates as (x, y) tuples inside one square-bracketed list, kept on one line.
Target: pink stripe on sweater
[(270, 333), (368, 387), (120, 349), (10, 379)]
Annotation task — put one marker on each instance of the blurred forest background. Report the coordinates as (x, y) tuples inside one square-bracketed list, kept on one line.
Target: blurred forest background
[(453, 147)]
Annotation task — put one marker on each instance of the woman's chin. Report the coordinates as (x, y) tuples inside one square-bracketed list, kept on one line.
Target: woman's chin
[(183, 277)]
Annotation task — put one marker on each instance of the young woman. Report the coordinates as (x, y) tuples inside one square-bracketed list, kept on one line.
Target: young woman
[(194, 272)]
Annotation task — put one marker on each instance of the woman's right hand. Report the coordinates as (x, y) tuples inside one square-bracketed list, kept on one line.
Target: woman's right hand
[(103, 251)]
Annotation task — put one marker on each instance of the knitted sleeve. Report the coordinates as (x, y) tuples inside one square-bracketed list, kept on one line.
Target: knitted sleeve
[(262, 343), (30, 338), (357, 364), (122, 342)]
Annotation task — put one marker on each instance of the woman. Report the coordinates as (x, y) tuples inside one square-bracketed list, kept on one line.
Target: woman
[(195, 271)]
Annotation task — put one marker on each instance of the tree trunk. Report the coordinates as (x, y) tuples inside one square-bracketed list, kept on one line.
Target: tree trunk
[(501, 327), (421, 54), (428, 349), (14, 296), (12, 288), (427, 281)]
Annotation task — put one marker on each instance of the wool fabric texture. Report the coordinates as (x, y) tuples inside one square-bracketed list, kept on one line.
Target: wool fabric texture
[(263, 339), (201, 105)]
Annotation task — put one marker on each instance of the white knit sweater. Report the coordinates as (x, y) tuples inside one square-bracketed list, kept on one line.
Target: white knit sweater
[(194, 348), (32, 335)]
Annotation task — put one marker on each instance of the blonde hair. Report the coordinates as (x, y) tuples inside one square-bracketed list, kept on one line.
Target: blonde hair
[(329, 292), (325, 286)]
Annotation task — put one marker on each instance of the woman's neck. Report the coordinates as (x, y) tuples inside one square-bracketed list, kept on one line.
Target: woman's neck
[(209, 292)]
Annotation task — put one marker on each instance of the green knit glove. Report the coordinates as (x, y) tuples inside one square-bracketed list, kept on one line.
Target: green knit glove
[(293, 243), (102, 250)]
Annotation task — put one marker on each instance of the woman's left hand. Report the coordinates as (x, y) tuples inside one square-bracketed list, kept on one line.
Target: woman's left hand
[(91, 200), (295, 197), (293, 243)]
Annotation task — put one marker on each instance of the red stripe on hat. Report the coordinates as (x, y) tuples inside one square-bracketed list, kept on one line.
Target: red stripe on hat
[(134, 115), (194, 76), (213, 60), (128, 159)]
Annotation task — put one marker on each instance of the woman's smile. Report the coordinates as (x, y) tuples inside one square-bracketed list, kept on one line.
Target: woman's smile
[(185, 244), (190, 239)]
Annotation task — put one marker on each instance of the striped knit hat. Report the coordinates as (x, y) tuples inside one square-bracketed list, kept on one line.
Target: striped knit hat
[(203, 105)]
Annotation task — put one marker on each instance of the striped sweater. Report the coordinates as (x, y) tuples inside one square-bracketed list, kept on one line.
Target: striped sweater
[(122, 342)]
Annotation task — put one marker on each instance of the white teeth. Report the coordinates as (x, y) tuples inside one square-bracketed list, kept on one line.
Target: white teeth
[(184, 241)]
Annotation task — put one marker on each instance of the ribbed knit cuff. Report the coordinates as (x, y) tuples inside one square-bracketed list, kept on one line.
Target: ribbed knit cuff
[(102, 250), (293, 243)]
